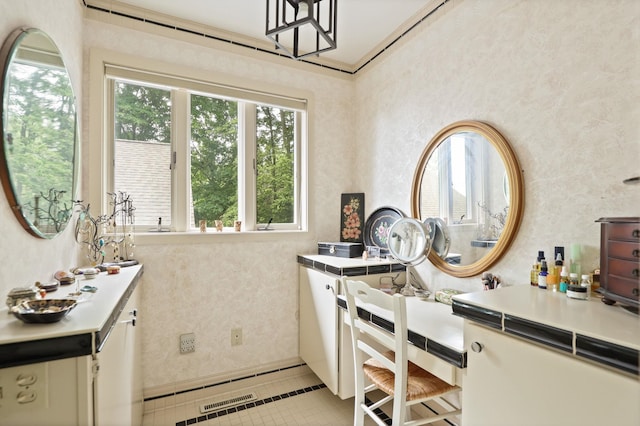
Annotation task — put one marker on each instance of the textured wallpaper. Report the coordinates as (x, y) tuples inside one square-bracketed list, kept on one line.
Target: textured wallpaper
[(210, 288), (559, 79), (26, 259)]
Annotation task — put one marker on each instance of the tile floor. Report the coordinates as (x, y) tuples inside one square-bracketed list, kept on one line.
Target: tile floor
[(292, 397)]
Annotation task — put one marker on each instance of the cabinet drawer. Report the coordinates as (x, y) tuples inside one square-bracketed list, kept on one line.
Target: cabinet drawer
[(624, 232), (627, 288), (624, 268), (624, 250)]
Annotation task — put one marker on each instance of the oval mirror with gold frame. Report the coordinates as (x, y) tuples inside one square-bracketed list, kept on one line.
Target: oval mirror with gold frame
[(38, 159), (469, 177)]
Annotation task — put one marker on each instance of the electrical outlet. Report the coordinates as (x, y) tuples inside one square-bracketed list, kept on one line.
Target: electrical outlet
[(236, 336), (187, 343)]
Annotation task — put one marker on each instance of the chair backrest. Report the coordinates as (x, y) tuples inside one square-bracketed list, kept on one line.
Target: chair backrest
[(363, 331)]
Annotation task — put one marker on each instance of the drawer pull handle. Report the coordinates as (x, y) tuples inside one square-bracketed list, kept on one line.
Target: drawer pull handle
[(635, 233), (477, 347), (636, 273), (636, 253), (635, 291)]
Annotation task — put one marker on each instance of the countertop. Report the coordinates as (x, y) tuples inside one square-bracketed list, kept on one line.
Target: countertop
[(351, 267), (81, 332), (587, 328)]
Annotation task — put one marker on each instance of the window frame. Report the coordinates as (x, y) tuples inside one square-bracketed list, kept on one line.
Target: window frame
[(107, 66)]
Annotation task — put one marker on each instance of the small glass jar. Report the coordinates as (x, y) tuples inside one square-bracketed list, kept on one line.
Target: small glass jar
[(586, 283), (573, 279)]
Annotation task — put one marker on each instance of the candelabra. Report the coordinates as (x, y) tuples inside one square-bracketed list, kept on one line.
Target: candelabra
[(113, 231)]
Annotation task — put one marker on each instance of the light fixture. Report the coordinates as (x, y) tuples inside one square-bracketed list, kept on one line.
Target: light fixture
[(302, 27)]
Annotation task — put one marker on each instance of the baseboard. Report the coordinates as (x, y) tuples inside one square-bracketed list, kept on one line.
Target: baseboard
[(182, 387)]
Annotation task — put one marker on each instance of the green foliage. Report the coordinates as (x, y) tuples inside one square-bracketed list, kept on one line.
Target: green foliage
[(214, 159), (275, 160), (40, 133), (144, 113)]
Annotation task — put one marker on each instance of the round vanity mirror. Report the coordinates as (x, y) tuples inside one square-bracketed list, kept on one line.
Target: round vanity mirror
[(38, 156), (409, 241), (468, 185)]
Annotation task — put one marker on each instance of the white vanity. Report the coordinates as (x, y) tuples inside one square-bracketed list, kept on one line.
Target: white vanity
[(539, 358), (325, 339), (84, 369)]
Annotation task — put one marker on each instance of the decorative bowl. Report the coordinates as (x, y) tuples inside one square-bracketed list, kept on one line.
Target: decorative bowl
[(49, 287), (90, 273), (422, 294), (43, 311), (65, 278)]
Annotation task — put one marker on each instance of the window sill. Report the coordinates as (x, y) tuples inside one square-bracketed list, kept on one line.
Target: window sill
[(214, 237)]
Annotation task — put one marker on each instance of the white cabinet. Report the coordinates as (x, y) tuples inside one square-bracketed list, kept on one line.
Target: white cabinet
[(84, 370), (319, 324), (512, 382), (325, 338), (55, 393), (118, 382)]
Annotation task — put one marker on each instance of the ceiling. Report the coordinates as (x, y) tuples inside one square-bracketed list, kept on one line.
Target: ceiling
[(364, 27)]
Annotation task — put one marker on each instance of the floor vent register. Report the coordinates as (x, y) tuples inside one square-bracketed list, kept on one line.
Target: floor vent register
[(218, 405)]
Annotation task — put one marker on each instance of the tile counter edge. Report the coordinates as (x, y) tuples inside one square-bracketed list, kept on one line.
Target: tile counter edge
[(67, 346), (569, 342)]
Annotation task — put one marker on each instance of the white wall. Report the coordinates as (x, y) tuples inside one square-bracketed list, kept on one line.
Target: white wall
[(211, 285), (559, 79), (26, 259)]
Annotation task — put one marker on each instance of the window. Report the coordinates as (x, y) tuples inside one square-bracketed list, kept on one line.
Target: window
[(188, 150)]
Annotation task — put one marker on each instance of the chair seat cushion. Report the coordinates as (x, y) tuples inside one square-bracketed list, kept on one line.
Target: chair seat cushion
[(420, 383)]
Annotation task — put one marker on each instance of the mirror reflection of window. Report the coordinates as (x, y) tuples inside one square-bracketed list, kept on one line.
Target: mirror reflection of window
[(39, 133), (453, 179), (469, 179)]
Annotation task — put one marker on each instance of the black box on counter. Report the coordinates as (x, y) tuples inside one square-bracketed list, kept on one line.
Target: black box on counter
[(341, 249)]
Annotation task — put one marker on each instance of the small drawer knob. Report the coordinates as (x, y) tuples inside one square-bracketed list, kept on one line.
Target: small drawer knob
[(477, 347)]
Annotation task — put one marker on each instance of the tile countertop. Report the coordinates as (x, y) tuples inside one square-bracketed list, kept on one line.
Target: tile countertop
[(432, 325), (585, 328), (81, 332), (352, 266)]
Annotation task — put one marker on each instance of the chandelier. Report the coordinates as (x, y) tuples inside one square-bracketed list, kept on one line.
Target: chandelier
[(302, 27)]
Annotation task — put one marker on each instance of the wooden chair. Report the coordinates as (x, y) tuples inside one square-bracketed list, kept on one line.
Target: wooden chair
[(389, 370)]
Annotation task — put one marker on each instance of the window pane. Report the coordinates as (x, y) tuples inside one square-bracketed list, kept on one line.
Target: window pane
[(214, 160), (458, 177), (143, 150), (275, 165)]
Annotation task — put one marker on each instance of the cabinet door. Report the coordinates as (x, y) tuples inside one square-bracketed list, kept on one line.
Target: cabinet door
[(513, 382), (118, 383), (319, 325)]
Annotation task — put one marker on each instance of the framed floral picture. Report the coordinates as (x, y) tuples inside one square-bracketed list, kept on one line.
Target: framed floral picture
[(351, 224)]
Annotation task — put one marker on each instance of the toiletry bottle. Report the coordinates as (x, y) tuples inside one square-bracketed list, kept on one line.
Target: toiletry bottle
[(573, 279), (553, 279), (535, 271), (586, 283), (564, 280), (576, 258), (542, 276)]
